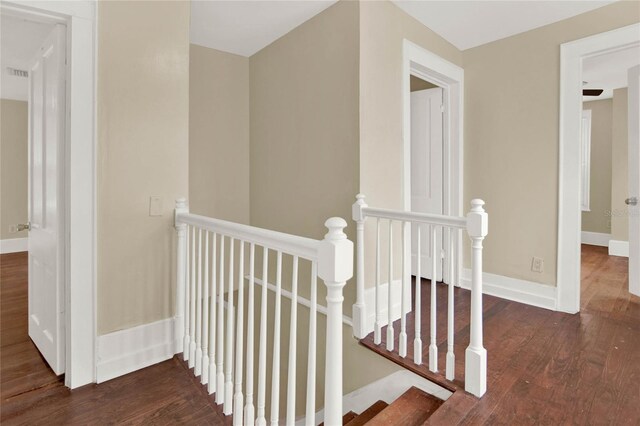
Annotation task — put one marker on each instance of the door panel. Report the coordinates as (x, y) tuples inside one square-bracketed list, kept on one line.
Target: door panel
[(426, 174), (46, 184), (634, 179)]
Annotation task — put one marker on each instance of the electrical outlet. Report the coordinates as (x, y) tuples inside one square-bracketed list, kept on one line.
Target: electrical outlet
[(537, 265), (155, 206), (13, 229)]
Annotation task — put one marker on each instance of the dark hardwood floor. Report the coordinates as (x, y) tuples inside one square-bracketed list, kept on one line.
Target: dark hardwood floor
[(31, 394), (545, 367)]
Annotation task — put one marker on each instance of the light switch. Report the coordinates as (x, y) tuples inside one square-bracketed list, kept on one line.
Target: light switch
[(155, 206)]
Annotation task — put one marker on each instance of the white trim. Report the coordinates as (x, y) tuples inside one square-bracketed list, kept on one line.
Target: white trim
[(132, 349), (569, 214), (595, 238), (14, 245), (425, 64), (387, 389), (585, 147), (80, 271), (619, 248), (517, 290), (370, 300)]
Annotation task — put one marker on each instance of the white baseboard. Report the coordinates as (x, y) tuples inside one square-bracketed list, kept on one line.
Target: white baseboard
[(619, 248), (370, 299), (387, 389), (522, 291), (128, 350), (14, 245), (596, 238)]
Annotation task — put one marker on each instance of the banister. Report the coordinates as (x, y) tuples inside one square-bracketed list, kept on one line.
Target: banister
[(306, 248), (433, 219)]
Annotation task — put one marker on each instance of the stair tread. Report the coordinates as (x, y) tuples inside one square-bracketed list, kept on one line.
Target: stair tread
[(346, 418), (368, 414), (413, 408)]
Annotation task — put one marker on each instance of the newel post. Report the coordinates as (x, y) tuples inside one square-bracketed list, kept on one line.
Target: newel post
[(181, 229), (335, 267), (476, 354), (359, 308)]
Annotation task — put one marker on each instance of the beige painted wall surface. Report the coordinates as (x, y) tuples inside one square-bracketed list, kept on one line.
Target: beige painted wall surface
[(620, 167), (511, 138), (219, 134), (383, 26), (304, 153), (143, 128), (597, 219), (13, 156)]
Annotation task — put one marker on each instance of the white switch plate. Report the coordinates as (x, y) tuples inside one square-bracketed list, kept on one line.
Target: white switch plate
[(537, 265), (155, 206)]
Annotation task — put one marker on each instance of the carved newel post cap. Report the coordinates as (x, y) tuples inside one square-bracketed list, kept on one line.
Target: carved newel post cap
[(360, 197), (335, 225), (476, 205), (181, 203)]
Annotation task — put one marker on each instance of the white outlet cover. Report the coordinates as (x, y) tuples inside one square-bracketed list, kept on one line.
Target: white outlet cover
[(155, 206)]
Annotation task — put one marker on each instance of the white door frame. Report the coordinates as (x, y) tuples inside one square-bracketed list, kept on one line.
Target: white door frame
[(80, 242), (428, 66), (569, 213)]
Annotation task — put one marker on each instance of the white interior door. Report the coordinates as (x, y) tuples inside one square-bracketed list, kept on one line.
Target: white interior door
[(427, 175), (46, 199), (634, 180)]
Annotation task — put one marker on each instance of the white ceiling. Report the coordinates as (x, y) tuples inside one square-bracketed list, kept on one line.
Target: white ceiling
[(245, 27), (609, 71), (467, 24), (19, 42)]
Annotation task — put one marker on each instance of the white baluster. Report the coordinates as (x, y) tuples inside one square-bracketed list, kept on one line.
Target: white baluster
[(451, 358), (476, 355), (433, 348), (275, 369), (262, 350), (335, 267), (198, 366), (180, 334), (390, 330), (192, 309), (205, 313), (402, 343), (359, 308), (220, 351), (187, 301), (377, 332), (417, 341), (310, 416), (212, 317), (249, 414), (228, 372), (238, 398), (293, 331)]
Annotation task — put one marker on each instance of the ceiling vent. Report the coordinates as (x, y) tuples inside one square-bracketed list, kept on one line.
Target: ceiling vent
[(17, 73)]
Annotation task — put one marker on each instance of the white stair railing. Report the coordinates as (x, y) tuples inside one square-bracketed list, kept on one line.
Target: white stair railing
[(476, 225), (213, 343)]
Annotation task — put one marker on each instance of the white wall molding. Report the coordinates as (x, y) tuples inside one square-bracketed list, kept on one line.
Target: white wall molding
[(370, 302), (387, 389), (596, 238), (14, 245), (619, 248), (522, 291), (128, 350)]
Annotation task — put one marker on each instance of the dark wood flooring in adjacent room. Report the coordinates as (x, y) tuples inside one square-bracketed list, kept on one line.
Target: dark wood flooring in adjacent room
[(544, 367), (31, 394)]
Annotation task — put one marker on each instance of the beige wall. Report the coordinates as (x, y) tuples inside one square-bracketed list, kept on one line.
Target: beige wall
[(143, 125), (304, 150), (416, 83), (597, 219), (620, 167), (219, 134), (13, 167), (511, 138)]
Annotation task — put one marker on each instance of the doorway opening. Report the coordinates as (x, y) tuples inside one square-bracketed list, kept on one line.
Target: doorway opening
[(432, 173), (587, 53)]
